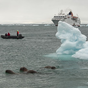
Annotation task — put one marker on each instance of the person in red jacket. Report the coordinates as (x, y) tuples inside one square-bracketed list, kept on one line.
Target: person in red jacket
[(17, 32), (8, 34)]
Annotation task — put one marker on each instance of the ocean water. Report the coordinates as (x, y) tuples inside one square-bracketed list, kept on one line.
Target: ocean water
[(35, 51)]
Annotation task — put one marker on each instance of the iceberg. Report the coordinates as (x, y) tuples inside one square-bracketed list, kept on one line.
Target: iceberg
[(82, 53), (73, 41)]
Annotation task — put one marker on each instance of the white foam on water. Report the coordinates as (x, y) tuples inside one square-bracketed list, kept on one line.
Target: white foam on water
[(73, 41)]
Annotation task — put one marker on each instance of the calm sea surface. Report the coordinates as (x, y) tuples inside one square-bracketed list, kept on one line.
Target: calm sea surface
[(34, 52)]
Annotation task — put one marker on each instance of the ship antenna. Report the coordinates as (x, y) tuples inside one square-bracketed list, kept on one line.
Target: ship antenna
[(61, 12)]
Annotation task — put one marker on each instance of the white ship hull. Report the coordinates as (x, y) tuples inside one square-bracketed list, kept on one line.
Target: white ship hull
[(69, 18), (55, 22)]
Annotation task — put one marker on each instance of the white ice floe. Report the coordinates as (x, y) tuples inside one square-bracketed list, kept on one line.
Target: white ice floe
[(73, 41)]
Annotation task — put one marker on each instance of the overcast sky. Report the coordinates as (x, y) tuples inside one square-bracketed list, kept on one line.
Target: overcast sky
[(40, 11)]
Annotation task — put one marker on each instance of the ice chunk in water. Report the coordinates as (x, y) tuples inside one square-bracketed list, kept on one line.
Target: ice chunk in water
[(73, 41)]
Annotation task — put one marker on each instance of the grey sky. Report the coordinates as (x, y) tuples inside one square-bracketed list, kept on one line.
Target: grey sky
[(39, 11)]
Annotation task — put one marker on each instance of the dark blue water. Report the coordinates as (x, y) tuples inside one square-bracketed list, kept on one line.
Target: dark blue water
[(34, 52)]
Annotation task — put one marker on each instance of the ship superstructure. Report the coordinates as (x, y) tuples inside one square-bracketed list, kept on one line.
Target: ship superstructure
[(69, 18)]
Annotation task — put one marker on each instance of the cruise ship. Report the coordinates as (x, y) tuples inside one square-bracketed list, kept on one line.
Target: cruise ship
[(68, 18)]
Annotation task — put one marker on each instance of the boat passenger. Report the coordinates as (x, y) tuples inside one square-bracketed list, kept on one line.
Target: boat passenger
[(8, 34), (17, 32), (20, 35)]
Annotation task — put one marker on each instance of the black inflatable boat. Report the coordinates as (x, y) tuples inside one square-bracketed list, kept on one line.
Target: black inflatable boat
[(12, 37)]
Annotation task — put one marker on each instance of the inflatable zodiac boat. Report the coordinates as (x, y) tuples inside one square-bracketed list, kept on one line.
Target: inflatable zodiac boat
[(12, 37)]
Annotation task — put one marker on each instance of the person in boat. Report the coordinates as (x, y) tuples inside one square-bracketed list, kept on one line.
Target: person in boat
[(17, 32), (8, 34)]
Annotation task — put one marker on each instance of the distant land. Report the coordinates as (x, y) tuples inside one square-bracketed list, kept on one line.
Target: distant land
[(34, 24)]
